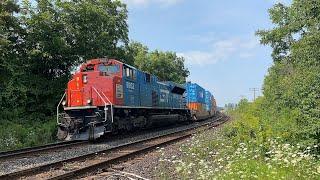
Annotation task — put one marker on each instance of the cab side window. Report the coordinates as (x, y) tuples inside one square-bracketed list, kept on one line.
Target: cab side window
[(89, 67), (129, 73), (148, 77)]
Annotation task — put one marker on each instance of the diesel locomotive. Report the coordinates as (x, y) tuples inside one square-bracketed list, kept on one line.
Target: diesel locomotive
[(107, 96)]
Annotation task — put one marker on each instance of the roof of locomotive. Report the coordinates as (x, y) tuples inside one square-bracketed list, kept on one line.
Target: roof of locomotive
[(98, 61), (106, 60)]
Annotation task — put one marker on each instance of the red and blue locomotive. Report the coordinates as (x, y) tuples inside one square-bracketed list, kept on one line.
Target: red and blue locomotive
[(107, 95)]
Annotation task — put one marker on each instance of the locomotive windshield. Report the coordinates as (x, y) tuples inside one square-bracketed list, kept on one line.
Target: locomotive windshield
[(109, 69)]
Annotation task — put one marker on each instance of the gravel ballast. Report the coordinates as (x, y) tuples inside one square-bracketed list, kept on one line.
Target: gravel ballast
[(146, 166)]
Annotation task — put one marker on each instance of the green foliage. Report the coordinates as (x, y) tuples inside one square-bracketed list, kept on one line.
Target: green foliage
[(255, 121), (293, 82), (26, 134), (11, 54)]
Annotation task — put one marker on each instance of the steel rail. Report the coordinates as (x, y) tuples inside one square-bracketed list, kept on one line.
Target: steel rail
[(44, 168), (129, 152)]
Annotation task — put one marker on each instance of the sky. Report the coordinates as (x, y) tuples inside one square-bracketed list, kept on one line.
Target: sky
[(216, 37)]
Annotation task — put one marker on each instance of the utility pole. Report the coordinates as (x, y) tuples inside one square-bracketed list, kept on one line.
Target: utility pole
[(255, 90)]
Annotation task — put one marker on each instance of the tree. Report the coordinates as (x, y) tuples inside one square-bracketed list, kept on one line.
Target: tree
[(136, 54), (166, 65), (95, 28), (43, 42), (293, 81), (12, 53)]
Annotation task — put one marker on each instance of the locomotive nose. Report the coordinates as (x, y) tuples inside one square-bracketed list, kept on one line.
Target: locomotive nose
[(75, 90)]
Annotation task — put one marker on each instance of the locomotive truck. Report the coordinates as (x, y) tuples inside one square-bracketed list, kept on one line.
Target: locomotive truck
[(107, 96)]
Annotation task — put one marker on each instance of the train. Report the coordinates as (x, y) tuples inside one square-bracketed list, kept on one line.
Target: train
[(107, 96)]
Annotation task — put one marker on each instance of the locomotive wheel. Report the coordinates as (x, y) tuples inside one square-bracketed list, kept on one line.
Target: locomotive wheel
[(62, 133), (68, 122), (66, 125)]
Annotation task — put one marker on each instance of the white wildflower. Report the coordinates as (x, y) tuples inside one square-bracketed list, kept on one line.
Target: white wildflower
[(286, 146)]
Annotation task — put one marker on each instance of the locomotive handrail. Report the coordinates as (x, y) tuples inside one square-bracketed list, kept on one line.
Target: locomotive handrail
[(59, 106), (105, 104), (110, 105)]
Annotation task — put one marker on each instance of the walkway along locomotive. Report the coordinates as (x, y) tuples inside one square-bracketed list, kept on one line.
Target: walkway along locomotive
[(106, 96)]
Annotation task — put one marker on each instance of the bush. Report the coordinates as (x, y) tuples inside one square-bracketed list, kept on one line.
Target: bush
[(16, 135)]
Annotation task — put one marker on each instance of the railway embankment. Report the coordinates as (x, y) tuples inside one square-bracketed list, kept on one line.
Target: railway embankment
[(40, 164), (154, 164), (253, 145)]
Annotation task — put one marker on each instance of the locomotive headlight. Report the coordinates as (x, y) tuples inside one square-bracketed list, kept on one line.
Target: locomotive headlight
[(85, 79), (64, 103), (89, 101)]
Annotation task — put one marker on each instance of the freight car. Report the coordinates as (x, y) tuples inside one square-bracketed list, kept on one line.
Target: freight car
[(200, 102), (107, 96)]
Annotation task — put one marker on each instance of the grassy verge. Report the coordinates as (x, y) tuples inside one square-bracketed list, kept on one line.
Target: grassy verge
[(257, 144), (14, 135)]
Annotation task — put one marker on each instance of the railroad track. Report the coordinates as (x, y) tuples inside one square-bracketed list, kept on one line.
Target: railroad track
[(92, 162), (38, 149)]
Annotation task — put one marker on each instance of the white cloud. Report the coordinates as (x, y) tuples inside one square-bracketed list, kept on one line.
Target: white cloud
[(144, 3), (198, 57), (221, 50)]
